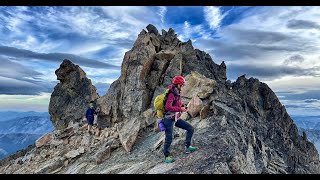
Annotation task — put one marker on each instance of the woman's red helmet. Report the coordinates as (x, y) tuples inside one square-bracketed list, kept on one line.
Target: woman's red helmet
[(178, 80)]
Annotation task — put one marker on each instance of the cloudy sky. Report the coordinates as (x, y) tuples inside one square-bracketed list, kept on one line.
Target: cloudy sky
[(278, 45)]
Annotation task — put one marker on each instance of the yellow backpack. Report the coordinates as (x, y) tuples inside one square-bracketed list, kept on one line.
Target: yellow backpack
[(160, 102)]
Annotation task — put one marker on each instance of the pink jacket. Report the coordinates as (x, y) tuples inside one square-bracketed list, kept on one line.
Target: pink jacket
[(176, 107)]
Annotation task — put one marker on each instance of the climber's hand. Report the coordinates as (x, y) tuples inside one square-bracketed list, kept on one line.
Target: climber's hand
[(183, 109)]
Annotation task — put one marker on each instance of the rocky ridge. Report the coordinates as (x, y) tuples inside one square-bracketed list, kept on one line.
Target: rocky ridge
[(240, 127)]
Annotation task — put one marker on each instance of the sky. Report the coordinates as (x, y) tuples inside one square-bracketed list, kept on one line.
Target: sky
[(278, 45)]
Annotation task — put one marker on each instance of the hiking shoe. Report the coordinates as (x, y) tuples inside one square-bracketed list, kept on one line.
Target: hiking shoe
[(191, 149), (169, 159)]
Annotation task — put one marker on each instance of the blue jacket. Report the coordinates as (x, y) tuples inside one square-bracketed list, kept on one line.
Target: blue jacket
[(89, 113)]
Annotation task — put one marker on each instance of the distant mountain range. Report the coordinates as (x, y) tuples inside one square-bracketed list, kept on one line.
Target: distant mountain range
[(30, 125), (307, 122), (8, 115), (21, 130), (10, 143)]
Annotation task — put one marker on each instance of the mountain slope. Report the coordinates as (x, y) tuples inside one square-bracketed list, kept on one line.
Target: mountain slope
[(241, 127), (20, 132), (13, 142)]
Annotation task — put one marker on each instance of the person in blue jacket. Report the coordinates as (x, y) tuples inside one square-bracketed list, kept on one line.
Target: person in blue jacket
[(90, 115)]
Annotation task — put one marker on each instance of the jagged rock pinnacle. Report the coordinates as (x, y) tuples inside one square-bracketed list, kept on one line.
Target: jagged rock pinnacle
[(71, 96)]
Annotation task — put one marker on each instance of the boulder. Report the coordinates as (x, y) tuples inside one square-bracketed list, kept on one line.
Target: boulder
[(43, 140), (128, 133), (102, 154), (74, 153), (194, 106), (198, 85), (204, 112)]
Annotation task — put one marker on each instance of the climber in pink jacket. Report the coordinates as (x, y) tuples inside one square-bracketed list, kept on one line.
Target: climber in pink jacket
[(174, 105)]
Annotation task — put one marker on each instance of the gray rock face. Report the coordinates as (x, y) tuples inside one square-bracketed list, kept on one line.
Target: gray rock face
[(70, 97), (273, 135)]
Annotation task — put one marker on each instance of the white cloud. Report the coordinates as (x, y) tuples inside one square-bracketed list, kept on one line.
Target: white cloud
[(162, 13), (102, 75), (261, 37), (99, 72), (3, 152), (95, 25), (87, 48), (275, 19), (186, 32), (11, 82), (42, 98), (295, 84), (106, 80), (16, 18), (132, 19), (25, 102), (199, 30), (48, 75), (213, 16)]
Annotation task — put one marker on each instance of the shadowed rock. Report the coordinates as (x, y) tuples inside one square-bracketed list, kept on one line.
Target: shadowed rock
[(71, 96)]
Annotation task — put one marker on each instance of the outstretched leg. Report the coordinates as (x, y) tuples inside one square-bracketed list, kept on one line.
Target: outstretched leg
[(186, 126)]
